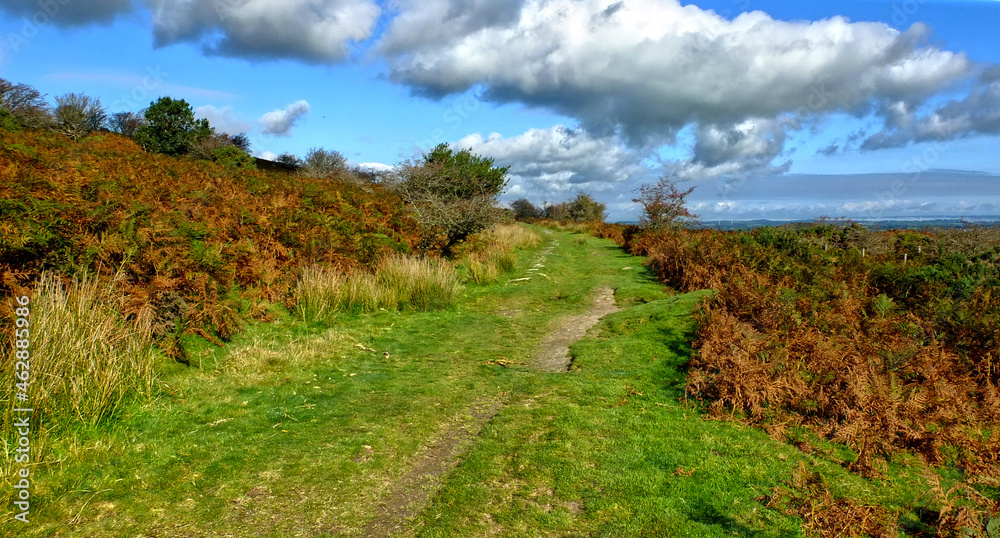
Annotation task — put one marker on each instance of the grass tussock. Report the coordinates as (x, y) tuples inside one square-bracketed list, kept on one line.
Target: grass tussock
[(513, 235), (86, 361), (398, 282), (491, 254), (487, 267)]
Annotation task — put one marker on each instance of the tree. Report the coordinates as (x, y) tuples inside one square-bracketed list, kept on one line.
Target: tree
[(289, 159), (584, 208), (558, 211), (452, 195), (125, 123), (464, 175), (25, 104), (241, 141), (322, 163), (524, 209), (663, 205), (78, 114), (171, 127)]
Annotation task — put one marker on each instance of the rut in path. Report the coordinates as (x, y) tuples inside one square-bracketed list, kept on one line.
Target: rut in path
[(553, 356), (414, 489), (410, 494)]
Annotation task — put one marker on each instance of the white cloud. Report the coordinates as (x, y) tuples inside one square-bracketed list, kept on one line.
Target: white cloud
[(269, 155), (223, 119), (280, 122), (550, 164), (317, 31), (648, 68), (378, 167)]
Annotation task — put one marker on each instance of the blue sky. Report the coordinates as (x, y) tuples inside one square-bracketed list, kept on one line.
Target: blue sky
[(773, 109)]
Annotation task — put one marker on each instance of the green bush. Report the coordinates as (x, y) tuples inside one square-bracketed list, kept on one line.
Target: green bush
[(234, 157), (9, 121)]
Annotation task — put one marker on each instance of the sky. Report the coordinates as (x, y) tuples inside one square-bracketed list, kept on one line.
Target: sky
[(770, 109)]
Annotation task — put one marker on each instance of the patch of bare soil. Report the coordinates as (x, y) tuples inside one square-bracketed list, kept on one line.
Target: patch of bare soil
[(415, 489), (553, 355)]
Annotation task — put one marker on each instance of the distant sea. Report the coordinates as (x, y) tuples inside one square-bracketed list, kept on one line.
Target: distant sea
[(874, 224), (900, 223)]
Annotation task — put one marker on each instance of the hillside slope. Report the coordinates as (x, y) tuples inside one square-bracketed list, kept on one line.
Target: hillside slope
[(194, 239)]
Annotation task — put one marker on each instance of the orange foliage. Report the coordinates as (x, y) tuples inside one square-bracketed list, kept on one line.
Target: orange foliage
[(185, 232), (801, 336)]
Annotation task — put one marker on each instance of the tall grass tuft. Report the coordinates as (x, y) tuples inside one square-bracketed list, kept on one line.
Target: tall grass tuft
[(399, 282), (487, 267), (513, 235), (86, 362), (490, 254), (419, 282)]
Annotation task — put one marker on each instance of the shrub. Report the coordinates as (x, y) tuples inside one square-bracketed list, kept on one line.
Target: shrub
[(78, 114), (321, 163), (9, 121), (663, 205), (234, 157), (452, 195), (26, 104), (290, 160), (525, 210), (585, 208), (125, 123)]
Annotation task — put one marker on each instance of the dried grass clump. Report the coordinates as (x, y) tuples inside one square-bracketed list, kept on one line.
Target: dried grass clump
[(398, 282), (490, 255), (86, 361)]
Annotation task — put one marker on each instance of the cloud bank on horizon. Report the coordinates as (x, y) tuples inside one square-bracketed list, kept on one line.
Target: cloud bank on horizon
[(637, 76)]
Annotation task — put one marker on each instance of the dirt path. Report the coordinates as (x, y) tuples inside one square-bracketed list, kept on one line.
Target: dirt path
[(413, 491), (553, 355), (410, 495), (416, 488)]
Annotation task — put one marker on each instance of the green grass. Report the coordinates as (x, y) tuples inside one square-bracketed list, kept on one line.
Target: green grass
[(303, 428)]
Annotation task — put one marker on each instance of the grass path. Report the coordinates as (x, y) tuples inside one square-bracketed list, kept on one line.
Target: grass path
[(435, 424)]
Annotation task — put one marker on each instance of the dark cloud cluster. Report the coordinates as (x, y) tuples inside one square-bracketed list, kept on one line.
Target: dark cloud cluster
[(976, 114), (67, 13), (314, 31)]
